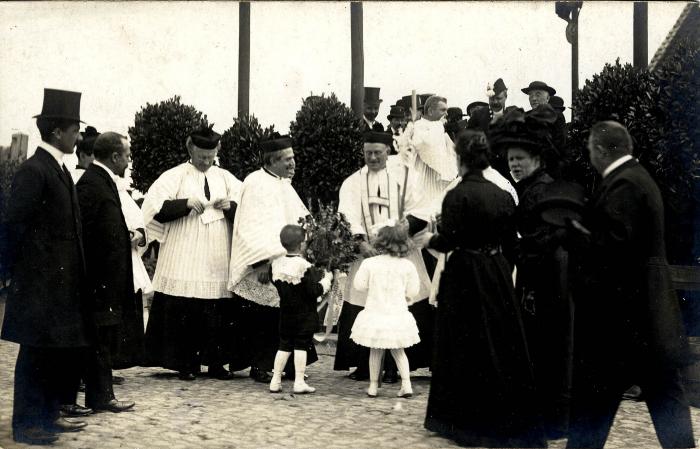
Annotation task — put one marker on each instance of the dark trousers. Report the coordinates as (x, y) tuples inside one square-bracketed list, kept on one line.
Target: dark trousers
[(43, 378), (98, 372), (594, 406)]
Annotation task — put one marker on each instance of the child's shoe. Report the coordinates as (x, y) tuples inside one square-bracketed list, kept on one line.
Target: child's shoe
[(303, 388), (405, 392), (275, 385), (372, 390)]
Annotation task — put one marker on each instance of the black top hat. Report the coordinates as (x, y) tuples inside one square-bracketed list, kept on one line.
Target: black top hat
[(406, 101), (276, 143), (455, 113), (557, 103), (378, 137), (205, 137), (475, 104), (372, 95), (396, 112), (539, 85), (561, 201), (423, 99), (61, 104)]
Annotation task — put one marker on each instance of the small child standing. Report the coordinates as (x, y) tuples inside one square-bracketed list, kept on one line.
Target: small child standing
[(385, 322), (298, 284)]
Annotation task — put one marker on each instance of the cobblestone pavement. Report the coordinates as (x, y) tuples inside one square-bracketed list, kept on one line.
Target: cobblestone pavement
[(172, 414)]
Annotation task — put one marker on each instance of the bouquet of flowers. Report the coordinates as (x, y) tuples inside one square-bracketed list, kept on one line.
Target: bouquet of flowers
[(330, 245)]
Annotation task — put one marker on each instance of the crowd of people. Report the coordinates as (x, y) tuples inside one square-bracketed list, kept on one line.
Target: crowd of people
[(472, 251)]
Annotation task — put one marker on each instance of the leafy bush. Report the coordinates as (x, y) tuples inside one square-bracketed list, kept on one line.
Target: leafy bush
[(328, 147), (158, 138), (240, 146), (8, 168)]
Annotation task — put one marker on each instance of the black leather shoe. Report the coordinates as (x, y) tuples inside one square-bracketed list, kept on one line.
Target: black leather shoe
[(220, 373), (359, 375), (634, 393), (259, 375), (35, 436), (66, 425), (390, 377), (114, 406), (75, 410), (185, 376), (117, 380)]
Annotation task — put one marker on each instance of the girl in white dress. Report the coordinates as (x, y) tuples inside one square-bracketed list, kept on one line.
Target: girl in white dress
[(385, 322)]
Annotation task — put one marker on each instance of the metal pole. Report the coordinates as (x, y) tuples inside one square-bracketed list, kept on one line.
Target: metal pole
[(243, 58), (357, 80), (574, 53), (640, 27)]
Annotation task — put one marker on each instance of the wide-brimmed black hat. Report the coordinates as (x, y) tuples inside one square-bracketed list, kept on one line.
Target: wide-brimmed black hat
[(561, 201), (455, 113), (276, 143), (372, 95), (396, 112), (557, 103), (60, 104), (538, 85), (475, 104), (529, 131), (377, 137)]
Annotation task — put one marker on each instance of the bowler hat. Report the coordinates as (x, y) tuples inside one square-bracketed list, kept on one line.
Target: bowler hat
[(539, 85), (396, 112), (60, 104), (372, 95), (455, 113), (557, 103), (561, 201), (475, 104)]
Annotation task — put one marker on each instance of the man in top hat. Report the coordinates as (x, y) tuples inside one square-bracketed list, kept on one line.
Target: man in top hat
[(497, 95), (268, 203), (455, 122), (628, 323), (407, 103), (539, 94), (109, 281), (371, 109), (189, 210), (45, 312), (380, 191), (84, 152)]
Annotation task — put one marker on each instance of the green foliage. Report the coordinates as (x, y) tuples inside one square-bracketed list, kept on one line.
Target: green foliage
[(158, 138), (327, 146), (330, 244), (240, 146)]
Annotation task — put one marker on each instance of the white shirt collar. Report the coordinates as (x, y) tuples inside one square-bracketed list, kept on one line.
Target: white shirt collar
[(616, 164), (107, 169), (53, 151)]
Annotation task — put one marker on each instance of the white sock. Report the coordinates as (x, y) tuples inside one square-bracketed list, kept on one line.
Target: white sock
[(299, 367), (280, 360), (375, 364), (402, 364)]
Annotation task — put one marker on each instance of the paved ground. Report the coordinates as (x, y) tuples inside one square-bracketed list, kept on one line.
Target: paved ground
[(240, 413)]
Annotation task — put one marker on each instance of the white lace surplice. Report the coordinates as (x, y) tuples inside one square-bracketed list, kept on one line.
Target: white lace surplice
[(268, 203), (193, 257)]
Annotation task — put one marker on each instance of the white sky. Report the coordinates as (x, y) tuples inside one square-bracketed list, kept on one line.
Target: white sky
[(123, 55)]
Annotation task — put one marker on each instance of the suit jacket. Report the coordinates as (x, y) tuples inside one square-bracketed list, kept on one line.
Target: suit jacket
[(109, 282), (45, 256), (627, 311), (378, 127)]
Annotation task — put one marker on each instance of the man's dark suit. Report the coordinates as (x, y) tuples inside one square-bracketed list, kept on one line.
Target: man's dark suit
[(44, 311), (109, 282), (628, 327)]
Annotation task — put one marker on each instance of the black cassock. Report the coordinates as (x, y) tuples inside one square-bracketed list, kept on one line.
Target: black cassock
[(482, 391)]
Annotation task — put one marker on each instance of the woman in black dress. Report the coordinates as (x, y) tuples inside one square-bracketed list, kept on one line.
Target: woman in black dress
[(482, 389)]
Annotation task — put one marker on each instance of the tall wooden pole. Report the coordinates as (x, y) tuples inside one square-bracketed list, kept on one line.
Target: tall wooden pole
[(243, 58), (640, 30), (357, 80), (574, 53)]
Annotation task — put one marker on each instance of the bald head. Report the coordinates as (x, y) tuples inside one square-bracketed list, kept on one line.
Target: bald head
[(607, 142)]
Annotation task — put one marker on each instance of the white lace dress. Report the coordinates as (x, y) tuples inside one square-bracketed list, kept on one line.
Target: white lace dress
[(385, 322)]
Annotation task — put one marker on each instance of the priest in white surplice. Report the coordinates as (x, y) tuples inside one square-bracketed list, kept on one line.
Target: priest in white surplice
[(189, 210), (268, 203), (370, 197)]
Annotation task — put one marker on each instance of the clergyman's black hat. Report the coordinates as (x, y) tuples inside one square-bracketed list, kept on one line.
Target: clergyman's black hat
[(60, 104), (276, 143), (378, 137), (205, 138)]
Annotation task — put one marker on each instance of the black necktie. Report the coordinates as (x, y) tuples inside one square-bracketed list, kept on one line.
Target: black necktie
[(67, 177), (206, 188)]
